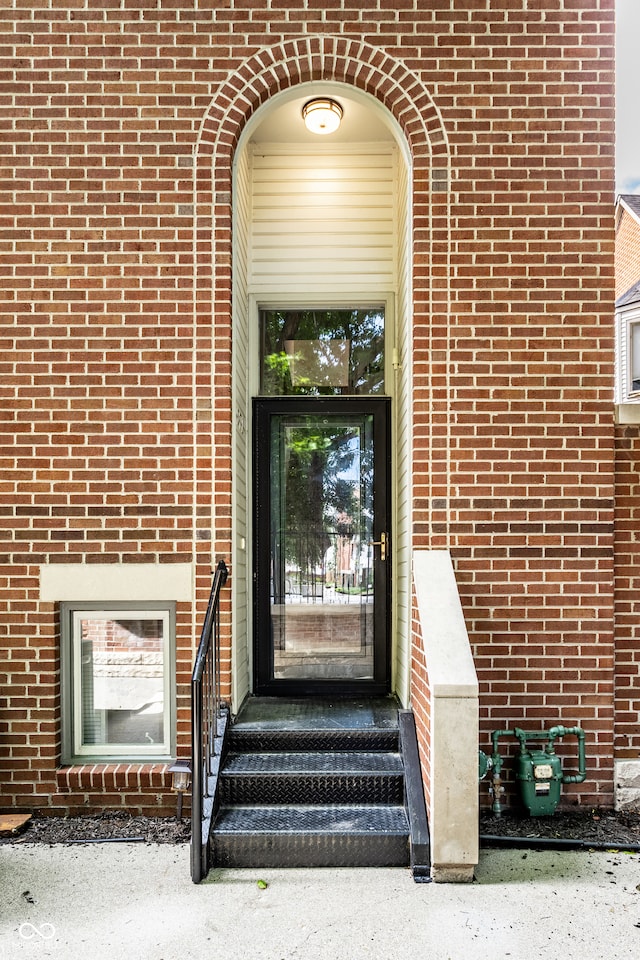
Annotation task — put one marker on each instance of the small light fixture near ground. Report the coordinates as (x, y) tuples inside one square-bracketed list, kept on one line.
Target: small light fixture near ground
[(180, 778), (322, 115)]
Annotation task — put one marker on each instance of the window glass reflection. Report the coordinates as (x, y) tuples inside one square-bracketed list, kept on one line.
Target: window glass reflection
[(322, 352)]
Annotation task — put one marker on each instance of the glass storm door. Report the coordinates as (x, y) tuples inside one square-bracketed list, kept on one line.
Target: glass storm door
[(321, 545)]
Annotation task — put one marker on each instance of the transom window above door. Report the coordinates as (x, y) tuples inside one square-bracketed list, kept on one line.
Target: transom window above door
[(322, 352)]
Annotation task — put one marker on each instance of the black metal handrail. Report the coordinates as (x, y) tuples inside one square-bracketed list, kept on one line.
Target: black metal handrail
[(205, 727)]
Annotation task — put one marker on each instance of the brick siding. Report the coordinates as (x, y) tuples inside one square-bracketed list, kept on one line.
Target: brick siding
[(115, 255)]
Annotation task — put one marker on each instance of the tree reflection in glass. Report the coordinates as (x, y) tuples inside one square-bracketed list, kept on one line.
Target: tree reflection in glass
[(322, 352)]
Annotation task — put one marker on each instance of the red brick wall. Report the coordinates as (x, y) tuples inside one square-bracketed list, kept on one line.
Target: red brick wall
[(627, 260), (421, 702), (117, 349)]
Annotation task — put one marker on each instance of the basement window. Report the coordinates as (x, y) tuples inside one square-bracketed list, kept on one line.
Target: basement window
[(118, 683)]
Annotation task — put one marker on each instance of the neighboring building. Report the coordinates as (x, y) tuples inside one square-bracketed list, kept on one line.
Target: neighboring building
[(627, 256), (178, 252), (627, 395), (627, 270)]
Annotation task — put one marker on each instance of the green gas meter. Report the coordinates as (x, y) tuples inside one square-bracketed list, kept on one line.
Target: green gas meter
[(538, 771), (539, 775)]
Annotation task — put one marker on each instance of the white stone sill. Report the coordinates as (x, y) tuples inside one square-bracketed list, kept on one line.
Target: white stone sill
[(627, 413)]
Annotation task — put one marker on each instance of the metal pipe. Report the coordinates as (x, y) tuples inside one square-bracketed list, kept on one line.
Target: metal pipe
[(578, 732), (496, 781), (495, 736), (554, 843)]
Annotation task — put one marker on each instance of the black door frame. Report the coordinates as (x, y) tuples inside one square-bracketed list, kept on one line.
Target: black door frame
[(264, 682)]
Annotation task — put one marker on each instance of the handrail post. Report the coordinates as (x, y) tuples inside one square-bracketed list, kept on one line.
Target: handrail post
[(205, 707), (196, 781)]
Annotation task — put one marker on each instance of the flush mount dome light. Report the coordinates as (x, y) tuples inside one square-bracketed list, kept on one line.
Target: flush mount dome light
[(322, 115)]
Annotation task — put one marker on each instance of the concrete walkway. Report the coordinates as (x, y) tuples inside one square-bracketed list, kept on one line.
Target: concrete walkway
[(112, 901)]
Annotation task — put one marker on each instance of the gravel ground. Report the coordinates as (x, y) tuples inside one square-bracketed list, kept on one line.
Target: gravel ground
[(597, 826)]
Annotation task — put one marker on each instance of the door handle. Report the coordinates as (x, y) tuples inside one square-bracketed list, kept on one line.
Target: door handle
[(382, 543)]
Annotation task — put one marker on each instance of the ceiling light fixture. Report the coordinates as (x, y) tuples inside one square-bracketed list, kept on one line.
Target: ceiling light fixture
[(322, 115)]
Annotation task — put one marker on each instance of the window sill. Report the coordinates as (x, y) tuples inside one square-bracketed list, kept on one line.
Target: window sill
[(628, 412), (113, 776)]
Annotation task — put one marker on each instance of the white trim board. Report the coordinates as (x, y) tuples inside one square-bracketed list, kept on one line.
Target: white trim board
[(116, 581)]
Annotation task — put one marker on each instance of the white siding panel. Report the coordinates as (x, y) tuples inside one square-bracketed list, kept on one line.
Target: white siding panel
[(241, 532), (622, 359), (323, 222), (403, 451)]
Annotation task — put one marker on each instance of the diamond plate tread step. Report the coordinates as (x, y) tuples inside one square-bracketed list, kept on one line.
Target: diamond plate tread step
[(339, 819), (354, 762), (312, 778), (265, 741), (299, 836), (308, 783)]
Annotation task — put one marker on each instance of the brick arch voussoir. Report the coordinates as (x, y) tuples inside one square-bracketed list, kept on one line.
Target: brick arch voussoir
[(275, 69)]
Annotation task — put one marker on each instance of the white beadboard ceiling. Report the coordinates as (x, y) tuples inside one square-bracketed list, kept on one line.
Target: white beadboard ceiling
[(283, 123)]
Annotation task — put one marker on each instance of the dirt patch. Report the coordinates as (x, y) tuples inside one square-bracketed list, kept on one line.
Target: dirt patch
[(590, 825), (110, 827)]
